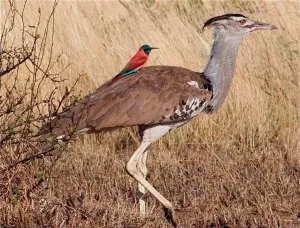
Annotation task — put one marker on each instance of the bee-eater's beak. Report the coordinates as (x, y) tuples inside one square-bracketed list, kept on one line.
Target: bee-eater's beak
[(261, 26), (154, 48)]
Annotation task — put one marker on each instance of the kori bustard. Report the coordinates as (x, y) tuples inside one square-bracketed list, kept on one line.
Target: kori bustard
[(159, 99)]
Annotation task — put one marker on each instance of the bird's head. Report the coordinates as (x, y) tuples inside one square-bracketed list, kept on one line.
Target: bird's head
[(236, 24), (147, 48)]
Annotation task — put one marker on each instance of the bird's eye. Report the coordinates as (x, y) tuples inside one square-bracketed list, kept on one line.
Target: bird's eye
[(242, 22)]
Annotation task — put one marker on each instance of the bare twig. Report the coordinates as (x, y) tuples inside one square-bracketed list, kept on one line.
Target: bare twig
[(29, 68)]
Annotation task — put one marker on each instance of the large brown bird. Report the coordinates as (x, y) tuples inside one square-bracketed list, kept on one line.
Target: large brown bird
[(160, 99)]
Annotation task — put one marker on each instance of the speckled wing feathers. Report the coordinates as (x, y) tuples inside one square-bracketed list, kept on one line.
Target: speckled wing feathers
[(154, 95)]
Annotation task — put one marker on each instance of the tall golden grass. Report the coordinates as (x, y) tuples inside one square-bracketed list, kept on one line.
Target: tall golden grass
[(237, 168)]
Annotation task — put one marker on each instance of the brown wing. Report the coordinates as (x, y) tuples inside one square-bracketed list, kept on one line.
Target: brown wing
[(153, 95)]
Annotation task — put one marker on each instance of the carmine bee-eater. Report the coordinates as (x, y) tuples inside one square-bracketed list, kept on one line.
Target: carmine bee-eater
[(135, 63)]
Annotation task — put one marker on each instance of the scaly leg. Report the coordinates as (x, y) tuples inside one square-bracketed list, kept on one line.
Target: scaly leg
[(142, 167), (132, 169)]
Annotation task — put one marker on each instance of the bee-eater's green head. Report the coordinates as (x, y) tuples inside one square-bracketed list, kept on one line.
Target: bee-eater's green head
[(147, 48)]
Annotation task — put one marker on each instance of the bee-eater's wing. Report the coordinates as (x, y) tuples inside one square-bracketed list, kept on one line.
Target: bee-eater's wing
[(136, 62)]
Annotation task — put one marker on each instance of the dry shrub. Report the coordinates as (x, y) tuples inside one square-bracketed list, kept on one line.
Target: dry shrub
[(27, 67)]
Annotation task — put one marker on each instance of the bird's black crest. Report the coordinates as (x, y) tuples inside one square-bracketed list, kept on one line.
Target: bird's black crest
[(225, 16)]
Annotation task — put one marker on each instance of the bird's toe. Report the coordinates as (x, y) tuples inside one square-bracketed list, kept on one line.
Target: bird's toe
[(170, 216)]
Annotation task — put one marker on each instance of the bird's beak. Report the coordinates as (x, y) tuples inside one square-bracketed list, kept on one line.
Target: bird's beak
[(154, 48), (262, 26)]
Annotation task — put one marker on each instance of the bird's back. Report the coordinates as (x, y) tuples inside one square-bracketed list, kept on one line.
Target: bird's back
[(154, 95)]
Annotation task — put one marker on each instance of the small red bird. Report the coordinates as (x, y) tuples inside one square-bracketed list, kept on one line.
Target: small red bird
[(135, 63)]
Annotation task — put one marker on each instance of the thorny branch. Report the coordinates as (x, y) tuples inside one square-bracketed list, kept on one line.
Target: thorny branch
[(12, 56), (28, 66)]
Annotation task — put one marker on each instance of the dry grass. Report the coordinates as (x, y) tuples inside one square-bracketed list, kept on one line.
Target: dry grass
[(238, 168)]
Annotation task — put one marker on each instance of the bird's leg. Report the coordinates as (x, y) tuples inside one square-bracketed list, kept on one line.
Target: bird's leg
[(142, 167), (132, 169)]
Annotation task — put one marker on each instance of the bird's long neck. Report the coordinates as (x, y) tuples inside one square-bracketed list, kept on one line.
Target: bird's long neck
[(220, 67)]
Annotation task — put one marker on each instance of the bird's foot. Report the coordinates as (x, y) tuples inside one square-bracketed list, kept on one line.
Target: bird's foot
[(170, 216)]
